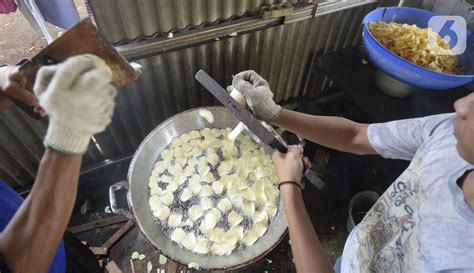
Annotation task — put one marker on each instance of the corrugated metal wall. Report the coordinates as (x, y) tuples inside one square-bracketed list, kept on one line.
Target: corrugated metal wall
[(284, 55), (21, 147), (128, 20), (281, 54)]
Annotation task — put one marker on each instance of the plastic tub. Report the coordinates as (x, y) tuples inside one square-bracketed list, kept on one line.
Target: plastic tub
[(405, 71)]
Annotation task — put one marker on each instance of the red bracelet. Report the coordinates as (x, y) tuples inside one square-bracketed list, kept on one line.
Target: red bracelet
[(290, 182)]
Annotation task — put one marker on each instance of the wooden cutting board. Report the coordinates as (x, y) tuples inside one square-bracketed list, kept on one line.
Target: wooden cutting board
[(82, 38)]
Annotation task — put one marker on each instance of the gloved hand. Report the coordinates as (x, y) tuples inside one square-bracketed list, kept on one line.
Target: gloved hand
[(258, 95), (79, 99)]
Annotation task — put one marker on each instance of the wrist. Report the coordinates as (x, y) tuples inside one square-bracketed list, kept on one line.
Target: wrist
[(51, 153), (273, 110), (290, 177), (66, 141), (290, 191), (278, 120)]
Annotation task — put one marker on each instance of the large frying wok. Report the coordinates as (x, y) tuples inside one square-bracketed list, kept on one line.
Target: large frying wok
[(138, 195)]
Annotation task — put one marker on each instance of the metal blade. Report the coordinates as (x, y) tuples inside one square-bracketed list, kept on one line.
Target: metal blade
[(308, 172), (240, 112), (314, 179)]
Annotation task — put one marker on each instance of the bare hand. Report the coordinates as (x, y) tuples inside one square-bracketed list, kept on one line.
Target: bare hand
[(11, 87), (289, 166)]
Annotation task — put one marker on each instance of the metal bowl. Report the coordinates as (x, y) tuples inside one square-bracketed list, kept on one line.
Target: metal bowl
[(393, 87), (138, 195)]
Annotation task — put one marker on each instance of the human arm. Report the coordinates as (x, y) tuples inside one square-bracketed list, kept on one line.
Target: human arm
[(307, 250), (79, 100), (333, 132), (398, 139), (31, 238)]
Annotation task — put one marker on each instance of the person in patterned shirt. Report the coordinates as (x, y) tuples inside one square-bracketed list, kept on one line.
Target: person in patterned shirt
[(424, 222)]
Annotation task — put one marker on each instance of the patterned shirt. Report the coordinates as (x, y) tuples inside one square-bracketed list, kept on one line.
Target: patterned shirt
[(422, 222)]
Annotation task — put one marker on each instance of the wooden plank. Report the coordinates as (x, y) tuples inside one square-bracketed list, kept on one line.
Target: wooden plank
[(118, 234), (104, 249), (98, 224), (112, 267), (99, 251)]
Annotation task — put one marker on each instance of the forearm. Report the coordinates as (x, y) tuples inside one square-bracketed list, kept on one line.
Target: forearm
[(307, 251), (30, 240), (333, 132)]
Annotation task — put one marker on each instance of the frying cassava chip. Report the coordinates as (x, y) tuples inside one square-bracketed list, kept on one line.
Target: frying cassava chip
[(213, 195)]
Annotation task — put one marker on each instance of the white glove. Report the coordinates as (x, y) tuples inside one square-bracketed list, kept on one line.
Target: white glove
[(258, 95), (79, 99)]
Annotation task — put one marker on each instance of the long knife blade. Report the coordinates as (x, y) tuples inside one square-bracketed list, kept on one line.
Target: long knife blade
[(240, 112), (251, 122), (310, 174)]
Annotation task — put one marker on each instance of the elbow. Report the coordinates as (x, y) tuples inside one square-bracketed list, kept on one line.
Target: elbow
[(360, 141), (357, 150)]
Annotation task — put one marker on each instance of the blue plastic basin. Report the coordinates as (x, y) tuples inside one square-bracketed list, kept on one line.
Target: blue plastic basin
[(405, 71)]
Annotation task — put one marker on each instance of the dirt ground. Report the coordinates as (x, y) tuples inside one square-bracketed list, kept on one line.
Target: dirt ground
[(20, 40)]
